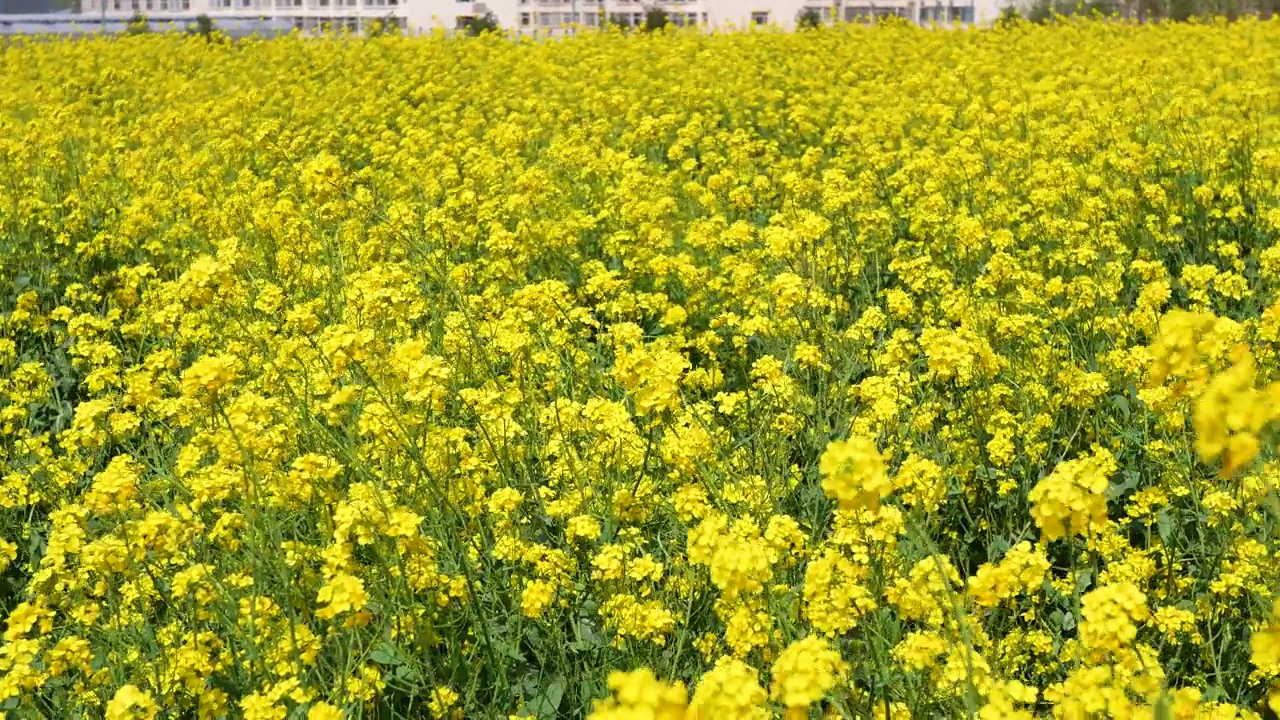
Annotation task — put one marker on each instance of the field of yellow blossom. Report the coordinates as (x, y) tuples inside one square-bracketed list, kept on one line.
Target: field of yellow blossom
[(858, 372)]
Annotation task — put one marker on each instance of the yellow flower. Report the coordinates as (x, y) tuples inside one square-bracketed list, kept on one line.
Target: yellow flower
[(131, 703), (209, 375), (1231, 412), (1264, 644), (853, 472), (342, 594), (442, 699), (1021, 570), (324, 711), (537, 596), (639, 694), (730, 689), (805, 672), (1112, 614), (1071, 500)]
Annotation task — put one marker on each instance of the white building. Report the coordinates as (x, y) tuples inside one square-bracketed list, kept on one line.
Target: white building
[(529, 16)]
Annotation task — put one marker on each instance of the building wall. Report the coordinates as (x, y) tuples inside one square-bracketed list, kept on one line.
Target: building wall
[(23, 7), (743, 13), (541, 16)]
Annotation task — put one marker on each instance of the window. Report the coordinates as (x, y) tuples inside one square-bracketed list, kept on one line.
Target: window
[(590, 19), (947, 14), (462, 21), (760, 18), (526, 19), (115, 5), (186, 4)]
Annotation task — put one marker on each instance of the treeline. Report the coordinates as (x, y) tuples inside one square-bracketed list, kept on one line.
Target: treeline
[(1141, 10)]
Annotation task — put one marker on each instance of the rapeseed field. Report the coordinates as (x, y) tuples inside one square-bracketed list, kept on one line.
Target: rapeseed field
[(861, 372)]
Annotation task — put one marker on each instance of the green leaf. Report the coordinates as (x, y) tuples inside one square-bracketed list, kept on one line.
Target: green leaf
[(1165, 526), (385, 654), (408, 674), (508, 649), (1084, 580), (1119, 489), (1121, 403), (555, 692)]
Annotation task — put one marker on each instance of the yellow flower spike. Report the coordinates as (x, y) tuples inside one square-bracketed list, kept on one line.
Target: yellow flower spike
[(730, 689), (324, 711), (805, 672), (342, 594), (1070, 501), (640, 694), (853, 472), (1264, 644), (131, 703), (208, 376)]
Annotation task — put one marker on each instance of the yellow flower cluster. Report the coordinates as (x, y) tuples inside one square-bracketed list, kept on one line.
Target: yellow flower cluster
[(861, 372), (1071, 500)]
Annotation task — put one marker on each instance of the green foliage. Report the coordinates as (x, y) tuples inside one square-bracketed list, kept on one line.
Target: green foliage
[(808, 19), (383, 27), (138, 25), (1044, 11), (203, 27), (486, 23), (892, 21), (655, 18), (1009, 17)]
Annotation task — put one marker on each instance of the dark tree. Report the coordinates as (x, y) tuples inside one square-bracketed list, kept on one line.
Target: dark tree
[(484, 24), (138, 25), (383, 26), (655, 18), (808, 18), (203, 27), (1009, 18)]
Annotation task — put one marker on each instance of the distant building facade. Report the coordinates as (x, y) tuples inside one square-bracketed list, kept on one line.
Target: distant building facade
[(546, 17), (26, 7)]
